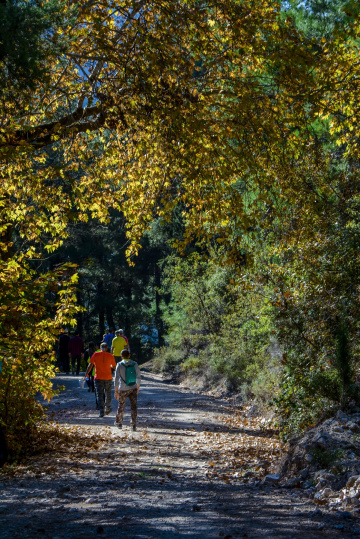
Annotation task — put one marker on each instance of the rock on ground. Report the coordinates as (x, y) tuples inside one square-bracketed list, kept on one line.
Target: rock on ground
[(326, 459)]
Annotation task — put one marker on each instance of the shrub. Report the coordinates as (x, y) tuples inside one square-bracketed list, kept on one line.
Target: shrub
[(218, 327), (37, 309)]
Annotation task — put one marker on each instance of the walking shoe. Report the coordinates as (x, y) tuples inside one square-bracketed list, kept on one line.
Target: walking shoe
[(107, 412), (101, 414), (134, 428), (118, 425)]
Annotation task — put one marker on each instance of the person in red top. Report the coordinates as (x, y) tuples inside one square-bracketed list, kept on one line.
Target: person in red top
[(103, 362), (76, 352)]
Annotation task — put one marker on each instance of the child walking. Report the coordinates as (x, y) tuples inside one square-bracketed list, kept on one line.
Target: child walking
[(127, 385)]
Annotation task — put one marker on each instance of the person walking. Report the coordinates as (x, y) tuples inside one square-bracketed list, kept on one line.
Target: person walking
[(63, 351), (76, 352), (108, 338), (89, 352), (119, 344), (127, 385), (103, 362)]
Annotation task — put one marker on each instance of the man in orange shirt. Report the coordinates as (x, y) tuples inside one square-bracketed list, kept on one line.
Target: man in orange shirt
[(103, 361)]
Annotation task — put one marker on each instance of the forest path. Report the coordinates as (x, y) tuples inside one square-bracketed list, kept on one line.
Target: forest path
[(179, 475)]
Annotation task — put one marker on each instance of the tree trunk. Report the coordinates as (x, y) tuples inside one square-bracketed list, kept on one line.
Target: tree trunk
[(127, 318), (79, 317), (100, 303), (158, 318), (109, 317)]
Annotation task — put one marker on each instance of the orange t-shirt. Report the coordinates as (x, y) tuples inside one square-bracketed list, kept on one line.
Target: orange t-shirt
[(103, 361)]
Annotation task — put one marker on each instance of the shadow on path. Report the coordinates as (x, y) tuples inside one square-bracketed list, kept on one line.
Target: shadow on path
[(151, 484)]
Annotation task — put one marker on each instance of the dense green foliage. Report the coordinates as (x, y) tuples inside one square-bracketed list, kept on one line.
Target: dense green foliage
[(28, 31), (219, 328), (300, 281), (113, 293), (214, 147), (320, 18)]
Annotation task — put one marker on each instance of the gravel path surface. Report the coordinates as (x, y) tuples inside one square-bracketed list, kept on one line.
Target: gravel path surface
[(156, 482)]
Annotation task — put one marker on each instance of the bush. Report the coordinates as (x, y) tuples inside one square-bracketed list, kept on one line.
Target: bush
[(37, 309), (167, 359), (218, 328)]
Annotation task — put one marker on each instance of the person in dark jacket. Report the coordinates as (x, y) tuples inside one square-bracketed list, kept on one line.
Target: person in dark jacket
[(91, 349), (76, 352), (63, 351)]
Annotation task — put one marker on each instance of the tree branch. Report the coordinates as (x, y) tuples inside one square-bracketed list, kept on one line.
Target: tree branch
[(78, 121)]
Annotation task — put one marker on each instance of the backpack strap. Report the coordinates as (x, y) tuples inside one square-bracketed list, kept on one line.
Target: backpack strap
[(120, 373)]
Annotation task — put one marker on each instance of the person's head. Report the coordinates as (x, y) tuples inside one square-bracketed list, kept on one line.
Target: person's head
[(120, 331), (91, 345), (65, 330), (103, 346), (125, 354), (111, 330), (76, 333)]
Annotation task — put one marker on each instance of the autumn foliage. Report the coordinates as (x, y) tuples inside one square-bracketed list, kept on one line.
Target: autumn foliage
[(225, 111)]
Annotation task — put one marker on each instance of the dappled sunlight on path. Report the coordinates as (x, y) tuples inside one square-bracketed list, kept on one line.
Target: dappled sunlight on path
[(193, 468)]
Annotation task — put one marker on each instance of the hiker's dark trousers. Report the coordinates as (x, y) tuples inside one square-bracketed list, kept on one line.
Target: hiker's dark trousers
[(103, 394), (75, 363), (123, 395), (65, 362)]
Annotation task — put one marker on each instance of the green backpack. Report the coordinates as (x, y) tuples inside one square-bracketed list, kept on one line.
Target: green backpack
[(130, 373)]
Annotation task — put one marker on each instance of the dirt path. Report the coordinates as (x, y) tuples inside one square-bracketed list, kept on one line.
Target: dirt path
[(180, 474)]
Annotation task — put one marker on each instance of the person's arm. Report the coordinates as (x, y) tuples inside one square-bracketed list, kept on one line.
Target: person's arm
[(89, 369), (116, 381), (91, 365), (138, 377), (112, 364)]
